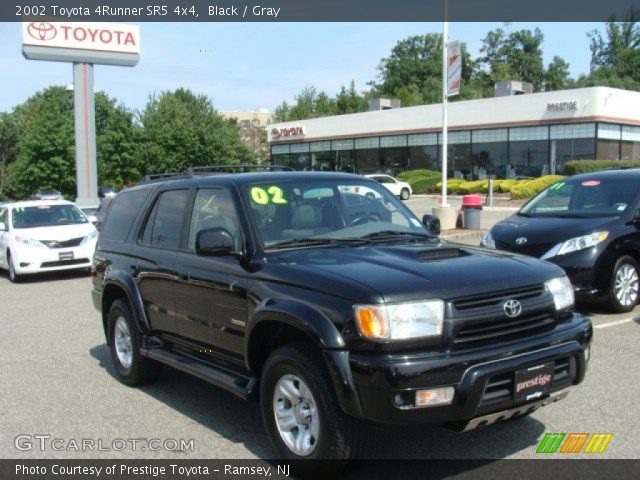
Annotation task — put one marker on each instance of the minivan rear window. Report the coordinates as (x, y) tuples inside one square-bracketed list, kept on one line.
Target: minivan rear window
[(122, 214)]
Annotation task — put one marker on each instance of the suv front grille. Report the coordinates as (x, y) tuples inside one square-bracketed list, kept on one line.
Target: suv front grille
[(499, 388), (534, 250), (73, 242), (485, 300), (497, 330)]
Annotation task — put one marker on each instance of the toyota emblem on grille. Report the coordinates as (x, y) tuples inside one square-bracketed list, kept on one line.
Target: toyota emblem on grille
[(512, 308), (521, 240)]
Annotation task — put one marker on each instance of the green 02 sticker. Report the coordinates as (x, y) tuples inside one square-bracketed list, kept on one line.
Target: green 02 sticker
[(272, 194)]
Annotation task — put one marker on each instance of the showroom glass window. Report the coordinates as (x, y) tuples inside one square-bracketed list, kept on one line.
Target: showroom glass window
[(528, 153), (367, 155), (572, 142), (423, 151), (490, 151)]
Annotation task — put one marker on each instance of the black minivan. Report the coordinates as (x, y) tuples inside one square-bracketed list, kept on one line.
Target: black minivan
[(589, 225)]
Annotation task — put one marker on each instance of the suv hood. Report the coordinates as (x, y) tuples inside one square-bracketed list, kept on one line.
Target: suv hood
[(409, 272), (545, 230)]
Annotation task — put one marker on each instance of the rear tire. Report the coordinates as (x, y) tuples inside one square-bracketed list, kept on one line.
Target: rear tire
[(623, 293), (124, 343), (404, 194), (295, 384)]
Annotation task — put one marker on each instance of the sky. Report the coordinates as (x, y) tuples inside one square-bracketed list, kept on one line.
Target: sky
[(246, 66)]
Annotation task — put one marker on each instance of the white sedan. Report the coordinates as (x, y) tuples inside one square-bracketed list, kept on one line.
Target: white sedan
[(398, 188), (44, 235)]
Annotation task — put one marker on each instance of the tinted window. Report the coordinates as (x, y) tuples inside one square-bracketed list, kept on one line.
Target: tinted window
[(213, 208), (122, 213), (3, 217), (164, 225)]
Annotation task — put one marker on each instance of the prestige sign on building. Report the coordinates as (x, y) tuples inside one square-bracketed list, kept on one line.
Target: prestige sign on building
[(83, 44)]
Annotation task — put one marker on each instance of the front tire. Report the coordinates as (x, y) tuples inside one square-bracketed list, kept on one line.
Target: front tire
[(124, 343), (301, 412), (13, 276), (404, 194), (623, 293)]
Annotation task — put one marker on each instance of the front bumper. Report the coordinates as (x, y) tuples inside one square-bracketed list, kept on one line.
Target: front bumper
[(483, 378), (27, 260)]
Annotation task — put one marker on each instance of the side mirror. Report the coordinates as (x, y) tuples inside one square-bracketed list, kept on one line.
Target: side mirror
[(3, 227), (214, 242), (93, 219), (432, 223)]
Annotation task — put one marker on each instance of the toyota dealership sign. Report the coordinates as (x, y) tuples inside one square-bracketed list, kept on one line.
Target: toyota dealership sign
[(106, 43)]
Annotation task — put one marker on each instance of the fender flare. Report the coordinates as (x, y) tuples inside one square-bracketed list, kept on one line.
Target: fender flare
[(323, 333), (126, 282)]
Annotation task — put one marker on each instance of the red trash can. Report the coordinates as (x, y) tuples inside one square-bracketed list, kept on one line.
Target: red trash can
[(471, 208)]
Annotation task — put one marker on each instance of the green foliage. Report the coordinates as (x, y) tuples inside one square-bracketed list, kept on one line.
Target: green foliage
[(575, 167), (181, 129), (517, 188), (9, 137), (421, 181)]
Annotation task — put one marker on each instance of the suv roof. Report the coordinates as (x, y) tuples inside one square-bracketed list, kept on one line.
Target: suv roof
[(615, 173), (242, 179)]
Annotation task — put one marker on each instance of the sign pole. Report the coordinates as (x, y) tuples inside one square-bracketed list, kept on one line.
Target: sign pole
[(445, 60), (85, 129)]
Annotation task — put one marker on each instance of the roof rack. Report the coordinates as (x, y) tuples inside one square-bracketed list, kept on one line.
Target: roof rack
[(214, 169)]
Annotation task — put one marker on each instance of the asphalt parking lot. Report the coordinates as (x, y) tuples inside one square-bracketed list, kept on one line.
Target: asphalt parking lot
[(56, 379)]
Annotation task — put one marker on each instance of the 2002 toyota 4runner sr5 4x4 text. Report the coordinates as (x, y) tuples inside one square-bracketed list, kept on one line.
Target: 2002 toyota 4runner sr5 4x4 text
[(322, 295)]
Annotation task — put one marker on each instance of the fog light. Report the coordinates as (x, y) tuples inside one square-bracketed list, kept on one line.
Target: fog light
[(434, 397)]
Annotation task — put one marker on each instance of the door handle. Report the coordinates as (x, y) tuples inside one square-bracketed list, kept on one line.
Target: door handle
[(184, 275)]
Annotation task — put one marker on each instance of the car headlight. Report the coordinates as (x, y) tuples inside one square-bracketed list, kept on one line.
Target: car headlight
[(400, 321), (562, 292), (580, 243), (29, 242), (487, 240), (92, 236)]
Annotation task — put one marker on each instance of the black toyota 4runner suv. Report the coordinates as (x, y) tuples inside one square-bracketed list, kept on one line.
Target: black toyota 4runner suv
[(322, 295)]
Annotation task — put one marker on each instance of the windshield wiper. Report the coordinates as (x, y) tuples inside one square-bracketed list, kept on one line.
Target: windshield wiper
[(314, 241)]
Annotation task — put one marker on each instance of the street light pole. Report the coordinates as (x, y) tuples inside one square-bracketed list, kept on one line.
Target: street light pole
[(445, 28)]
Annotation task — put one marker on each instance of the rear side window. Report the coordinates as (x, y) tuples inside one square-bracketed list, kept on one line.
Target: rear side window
[(164, 225), (122, 214)]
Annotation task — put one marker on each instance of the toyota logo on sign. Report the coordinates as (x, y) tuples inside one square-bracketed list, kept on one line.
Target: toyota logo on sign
[(42, 31), (512, 308)]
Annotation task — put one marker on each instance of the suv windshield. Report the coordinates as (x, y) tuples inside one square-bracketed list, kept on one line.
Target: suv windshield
[(47, 216), (297, 212), (591, 198)]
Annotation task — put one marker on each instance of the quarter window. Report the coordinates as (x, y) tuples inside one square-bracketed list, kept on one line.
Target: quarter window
[(122, 214)]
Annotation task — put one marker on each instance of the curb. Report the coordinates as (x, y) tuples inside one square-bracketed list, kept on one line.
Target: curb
[(455, 236)]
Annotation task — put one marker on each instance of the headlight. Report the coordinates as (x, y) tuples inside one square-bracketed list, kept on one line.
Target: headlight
[(92, 236), (562, 292), (400, 321), (29, 242), (487, 240), (580, 243)]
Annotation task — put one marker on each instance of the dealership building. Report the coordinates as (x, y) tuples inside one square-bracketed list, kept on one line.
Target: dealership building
[(528, 134)]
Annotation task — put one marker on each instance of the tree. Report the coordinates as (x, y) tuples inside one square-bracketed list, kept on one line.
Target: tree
[(556, 76), (8, 145), (182, 129), (413, 71), (46, 151), (517, 56), (309, 103), (349, 100)]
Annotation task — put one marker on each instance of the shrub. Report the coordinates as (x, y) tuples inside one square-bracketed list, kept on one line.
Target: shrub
[(575, 167), (421, 181), (529, 188)]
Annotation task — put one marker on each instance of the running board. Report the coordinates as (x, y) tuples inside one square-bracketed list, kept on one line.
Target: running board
[(240, 385), (513, 412)]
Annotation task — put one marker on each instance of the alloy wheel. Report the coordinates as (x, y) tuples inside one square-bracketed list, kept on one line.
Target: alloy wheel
[(296, 415), (626, 285), (122, 338)]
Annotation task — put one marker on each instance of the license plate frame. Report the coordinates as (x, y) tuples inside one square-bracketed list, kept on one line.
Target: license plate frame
[(533, 382), (64, 256)]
